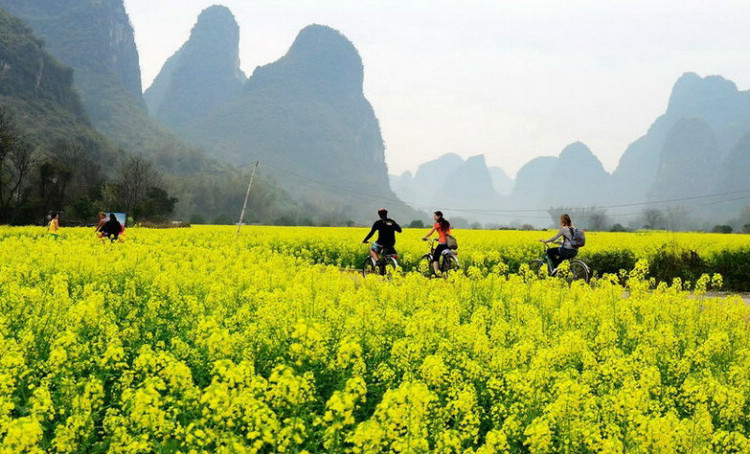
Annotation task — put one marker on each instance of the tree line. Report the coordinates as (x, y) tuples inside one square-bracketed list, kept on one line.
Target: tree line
[(76, 176)]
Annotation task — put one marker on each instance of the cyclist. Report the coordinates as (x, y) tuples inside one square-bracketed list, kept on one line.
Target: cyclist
[(442, 227), (386, 229), (566, 250)]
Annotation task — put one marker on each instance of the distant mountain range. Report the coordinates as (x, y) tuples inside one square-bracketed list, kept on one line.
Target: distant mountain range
[(692, 161), (304, 117), (307, 121), (449, 181), (96, 39)]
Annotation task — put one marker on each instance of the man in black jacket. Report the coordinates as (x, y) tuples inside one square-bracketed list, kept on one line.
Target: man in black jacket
[(386, 229)]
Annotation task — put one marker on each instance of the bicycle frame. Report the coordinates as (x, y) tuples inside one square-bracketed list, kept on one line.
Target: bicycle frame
[(381, 262), (546, 258), (433, 242), (448, 260), (383, 257), (572, 262)]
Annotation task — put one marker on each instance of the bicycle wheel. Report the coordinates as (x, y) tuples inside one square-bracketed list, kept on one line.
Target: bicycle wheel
[(578, 271), (369, 267), (424, 266), (450, 263), (390, 265), (536, 266)]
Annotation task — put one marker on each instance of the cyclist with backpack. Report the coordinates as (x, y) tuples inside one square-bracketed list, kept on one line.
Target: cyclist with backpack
[(386, 229), (572, 239), (443, 228)]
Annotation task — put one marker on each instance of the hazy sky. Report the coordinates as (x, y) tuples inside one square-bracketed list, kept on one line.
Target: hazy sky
[(510, 79)]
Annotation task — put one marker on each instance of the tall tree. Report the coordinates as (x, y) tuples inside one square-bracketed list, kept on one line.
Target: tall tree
[(16, 160), (139, 190)]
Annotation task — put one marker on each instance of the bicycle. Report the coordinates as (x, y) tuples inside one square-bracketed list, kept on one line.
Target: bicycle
[(387, 259), (576, 270), (448, 261)]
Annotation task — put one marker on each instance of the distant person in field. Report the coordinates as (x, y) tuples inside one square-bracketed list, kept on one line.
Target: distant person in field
[(566, 250), (386, 229), (54, 226), (100, 224), (443, 228), (112, 228)]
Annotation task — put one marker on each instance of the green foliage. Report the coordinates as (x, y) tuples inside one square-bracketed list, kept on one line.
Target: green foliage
[(96, 39), (27, 71), (197, 218), (610, 262), (672, 262), (722, 229), (224, 219), (68, 159), (734, 267), (157, 205)]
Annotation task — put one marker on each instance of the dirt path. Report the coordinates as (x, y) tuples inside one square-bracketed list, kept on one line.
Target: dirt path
[(356, 272), (745, 296)]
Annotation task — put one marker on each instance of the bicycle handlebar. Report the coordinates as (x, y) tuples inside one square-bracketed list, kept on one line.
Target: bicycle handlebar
[(552, 242)]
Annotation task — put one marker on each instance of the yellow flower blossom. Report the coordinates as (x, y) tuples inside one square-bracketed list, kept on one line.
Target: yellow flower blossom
[(189, 340)]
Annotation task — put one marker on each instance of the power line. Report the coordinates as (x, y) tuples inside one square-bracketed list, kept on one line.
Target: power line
[(527, 213), (539, 210)]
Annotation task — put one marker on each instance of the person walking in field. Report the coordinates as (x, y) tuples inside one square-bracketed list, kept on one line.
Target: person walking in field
[(566, 250), (112, 228), (443, 228), (386, 242), (54, 226), (100, 224)]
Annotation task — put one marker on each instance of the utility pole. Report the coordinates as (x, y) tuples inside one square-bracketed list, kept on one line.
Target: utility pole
[(247, 196)]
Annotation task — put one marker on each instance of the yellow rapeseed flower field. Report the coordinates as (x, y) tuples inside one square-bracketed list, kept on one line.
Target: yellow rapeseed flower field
[(188, 340)]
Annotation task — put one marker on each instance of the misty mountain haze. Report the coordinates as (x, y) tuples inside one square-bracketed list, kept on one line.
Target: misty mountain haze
[(713, 99), (501, 182), (94, 38), (203, 74), (191, 89), (699, 147), (450, 183), (98, 43), (305, 117)]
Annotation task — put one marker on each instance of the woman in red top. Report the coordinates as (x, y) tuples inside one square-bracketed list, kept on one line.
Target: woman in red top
[(442, 227)]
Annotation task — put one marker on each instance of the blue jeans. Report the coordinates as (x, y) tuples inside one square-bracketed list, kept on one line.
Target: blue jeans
[(380, 249)]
